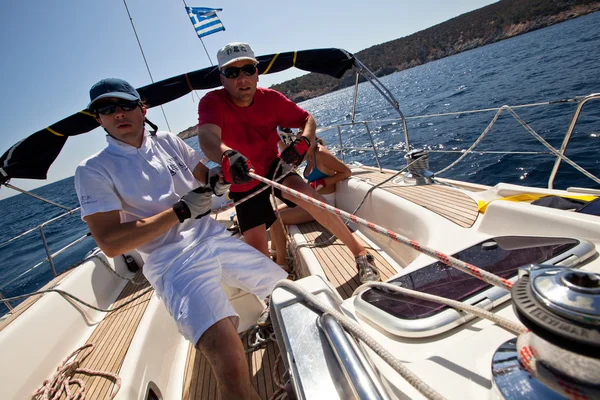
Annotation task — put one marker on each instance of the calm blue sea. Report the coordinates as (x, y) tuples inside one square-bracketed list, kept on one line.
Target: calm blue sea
[(549, 64)]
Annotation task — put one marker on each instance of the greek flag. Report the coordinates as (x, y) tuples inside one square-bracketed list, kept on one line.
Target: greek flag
[(205, 20)]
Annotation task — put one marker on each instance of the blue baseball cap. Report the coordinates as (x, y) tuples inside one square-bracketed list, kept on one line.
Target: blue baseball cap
[(112, 87)]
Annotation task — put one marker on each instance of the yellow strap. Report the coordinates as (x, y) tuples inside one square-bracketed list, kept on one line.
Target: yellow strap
[(295, 55), (53, 131), (482, 205), (187, 79), (266, 71), (89, 114)]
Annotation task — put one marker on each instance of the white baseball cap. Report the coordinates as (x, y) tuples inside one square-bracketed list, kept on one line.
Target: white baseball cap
[(233, 52)]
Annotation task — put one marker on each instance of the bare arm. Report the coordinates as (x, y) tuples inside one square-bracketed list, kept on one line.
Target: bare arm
[(309, 130), (200, 172), (331, 162), (115, 238), (209, 137)]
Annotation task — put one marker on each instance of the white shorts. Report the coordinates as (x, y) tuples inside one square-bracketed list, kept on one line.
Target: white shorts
[(191, 287)]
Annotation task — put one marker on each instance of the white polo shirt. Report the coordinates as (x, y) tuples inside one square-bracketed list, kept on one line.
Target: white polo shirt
[(143, 182)]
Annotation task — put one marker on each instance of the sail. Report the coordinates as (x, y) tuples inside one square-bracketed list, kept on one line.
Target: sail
[(31, 158)]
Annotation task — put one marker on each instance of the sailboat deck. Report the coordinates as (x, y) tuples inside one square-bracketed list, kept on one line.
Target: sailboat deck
[(443, 200), (200, 383), (337, 261), (112, 338), (28, 302)]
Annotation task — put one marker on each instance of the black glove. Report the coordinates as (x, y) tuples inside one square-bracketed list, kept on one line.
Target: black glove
[(294, 153), (196, 204), (235, 167), (216, 181)]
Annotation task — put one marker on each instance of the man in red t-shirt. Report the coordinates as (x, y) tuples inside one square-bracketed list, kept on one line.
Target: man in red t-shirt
[(238, 127)]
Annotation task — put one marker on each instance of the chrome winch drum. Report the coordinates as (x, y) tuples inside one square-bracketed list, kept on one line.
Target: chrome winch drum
[(418, 167), (560, 356)]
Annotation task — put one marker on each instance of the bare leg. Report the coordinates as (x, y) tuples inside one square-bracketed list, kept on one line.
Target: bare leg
[(223, 349), (294, 216), (257, 238), (324, 217), (278, 238)]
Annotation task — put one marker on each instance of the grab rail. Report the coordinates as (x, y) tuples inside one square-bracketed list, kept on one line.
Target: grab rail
[(362, 382)]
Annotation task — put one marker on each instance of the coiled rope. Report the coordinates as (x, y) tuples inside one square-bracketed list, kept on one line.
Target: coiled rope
[(63, 378)]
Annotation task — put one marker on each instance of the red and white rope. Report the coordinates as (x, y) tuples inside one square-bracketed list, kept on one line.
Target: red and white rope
[(553, 380), (63, 378), (237, 203), (446, 259)]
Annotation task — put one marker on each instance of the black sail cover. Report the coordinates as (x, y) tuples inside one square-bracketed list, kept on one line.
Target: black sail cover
[(31, 158)]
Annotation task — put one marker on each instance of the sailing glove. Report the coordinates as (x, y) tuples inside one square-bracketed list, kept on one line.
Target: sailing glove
[(318, 184), (196, 204), (294, 153), (216, 181), (235, 167)]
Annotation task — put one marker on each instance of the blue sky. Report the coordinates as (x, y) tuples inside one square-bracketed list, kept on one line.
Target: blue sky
[(53, 52)]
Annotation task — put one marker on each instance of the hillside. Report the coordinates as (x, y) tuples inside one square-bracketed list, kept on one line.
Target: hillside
[(495, 22), (498, 21)]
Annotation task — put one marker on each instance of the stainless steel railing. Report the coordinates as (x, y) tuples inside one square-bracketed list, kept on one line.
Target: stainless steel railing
[(560, 154), (567, 138), (49, 256), (362, 378)]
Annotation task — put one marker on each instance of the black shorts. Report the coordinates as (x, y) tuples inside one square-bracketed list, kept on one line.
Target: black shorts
[(258, 210)]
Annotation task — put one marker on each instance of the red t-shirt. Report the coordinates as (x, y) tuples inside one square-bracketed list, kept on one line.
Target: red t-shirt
[(252, 130)]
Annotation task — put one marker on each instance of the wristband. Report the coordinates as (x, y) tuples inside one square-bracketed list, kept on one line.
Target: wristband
[(182, 211), (302, 145)]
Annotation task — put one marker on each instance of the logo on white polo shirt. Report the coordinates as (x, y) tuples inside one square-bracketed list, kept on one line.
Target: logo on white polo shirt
[(175, 164), (87, 200)]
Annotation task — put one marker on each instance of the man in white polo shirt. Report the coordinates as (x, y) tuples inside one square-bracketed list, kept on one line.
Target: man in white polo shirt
[(143, 192)]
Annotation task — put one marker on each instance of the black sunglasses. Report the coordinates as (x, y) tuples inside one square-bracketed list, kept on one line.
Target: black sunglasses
[(234, 72), (111, 108)]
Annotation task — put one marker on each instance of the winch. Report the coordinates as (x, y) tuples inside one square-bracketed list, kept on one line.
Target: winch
[(559, 358), (418, 168)]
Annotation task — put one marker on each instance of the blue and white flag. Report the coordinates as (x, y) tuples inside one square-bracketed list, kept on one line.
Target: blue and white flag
[(205, 20)]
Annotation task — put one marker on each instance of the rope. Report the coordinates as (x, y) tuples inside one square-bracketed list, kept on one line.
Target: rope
[(95, 254), (513, 327), (237, 203), (381, 183), (355, 328), (258, 337), (446, 259), (546, 375), (63, 378), (69, 295), (281, 392)]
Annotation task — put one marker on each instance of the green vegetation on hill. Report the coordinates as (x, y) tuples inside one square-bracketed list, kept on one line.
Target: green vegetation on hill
[(498, 21)]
